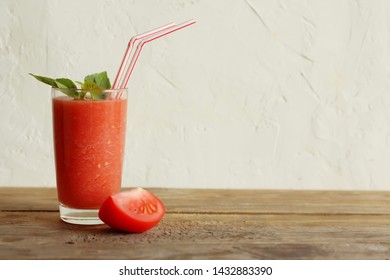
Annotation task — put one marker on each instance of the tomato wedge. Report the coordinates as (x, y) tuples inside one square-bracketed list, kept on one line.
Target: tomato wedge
[(136, 210)]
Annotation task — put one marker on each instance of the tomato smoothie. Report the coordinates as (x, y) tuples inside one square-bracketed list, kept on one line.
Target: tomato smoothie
[(89, 140)]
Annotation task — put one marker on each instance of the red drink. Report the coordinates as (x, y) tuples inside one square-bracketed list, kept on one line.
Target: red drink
[(89, 140)]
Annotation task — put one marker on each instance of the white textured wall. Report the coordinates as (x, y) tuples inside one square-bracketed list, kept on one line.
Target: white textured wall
[(258, 94)]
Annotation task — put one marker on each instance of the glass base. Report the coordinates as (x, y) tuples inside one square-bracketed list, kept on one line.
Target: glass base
[(79, 216)]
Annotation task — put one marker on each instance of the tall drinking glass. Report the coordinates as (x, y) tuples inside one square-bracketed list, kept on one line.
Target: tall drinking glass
[(89, 141)]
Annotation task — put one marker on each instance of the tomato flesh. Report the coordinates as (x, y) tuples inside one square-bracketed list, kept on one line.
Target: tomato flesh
[(136, 210)]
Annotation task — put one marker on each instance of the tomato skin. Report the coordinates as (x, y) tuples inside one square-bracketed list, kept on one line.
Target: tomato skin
[(125, 211)]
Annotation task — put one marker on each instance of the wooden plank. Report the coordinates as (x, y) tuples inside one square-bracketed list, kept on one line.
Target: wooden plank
[(41, 235), (207, 224), (276, 201), (226, 201), (28, 199)]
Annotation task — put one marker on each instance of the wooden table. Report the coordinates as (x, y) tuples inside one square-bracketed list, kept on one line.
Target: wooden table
[(207, 224)]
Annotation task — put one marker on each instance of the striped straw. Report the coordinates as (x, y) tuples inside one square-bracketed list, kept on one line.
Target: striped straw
[(130, 59), (124, 64)]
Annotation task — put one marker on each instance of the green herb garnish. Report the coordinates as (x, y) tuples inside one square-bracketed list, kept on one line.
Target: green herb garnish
[(93, 84)]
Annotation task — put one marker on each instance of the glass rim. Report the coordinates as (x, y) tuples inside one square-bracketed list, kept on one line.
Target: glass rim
[(88, 89), (95, 94)]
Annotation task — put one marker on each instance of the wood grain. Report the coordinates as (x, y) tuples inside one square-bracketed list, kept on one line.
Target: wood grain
[(226, 201), (207, 224)]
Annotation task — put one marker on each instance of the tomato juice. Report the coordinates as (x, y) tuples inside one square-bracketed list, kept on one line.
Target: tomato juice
[(89, 140)]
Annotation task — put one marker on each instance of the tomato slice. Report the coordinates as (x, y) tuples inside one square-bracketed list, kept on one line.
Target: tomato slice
[(136, 210)]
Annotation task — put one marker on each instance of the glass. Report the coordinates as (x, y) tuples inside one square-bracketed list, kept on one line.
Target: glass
[(89, 140)]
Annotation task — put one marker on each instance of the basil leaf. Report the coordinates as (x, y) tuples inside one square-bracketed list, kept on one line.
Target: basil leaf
[(66, 82), (94, 84), (88, 85), (100, 79), (93, 89), (68, 87), (45, 80)]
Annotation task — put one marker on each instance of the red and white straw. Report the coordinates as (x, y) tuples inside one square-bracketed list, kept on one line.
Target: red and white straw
[(124, 64), (130, 58)]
